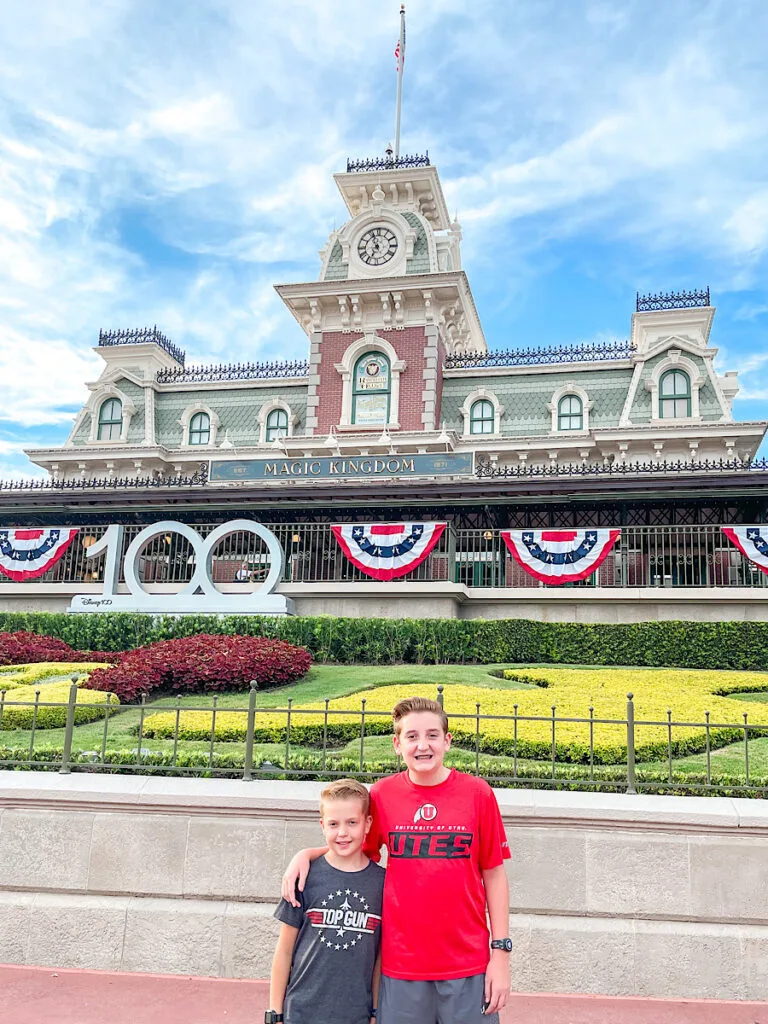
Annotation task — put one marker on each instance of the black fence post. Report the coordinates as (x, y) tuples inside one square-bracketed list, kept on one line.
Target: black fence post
[(249, 732), (631, 787), (66, 754)]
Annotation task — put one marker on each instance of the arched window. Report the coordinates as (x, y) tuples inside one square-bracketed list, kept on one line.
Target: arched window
[(200, 428), (570, 413), (371, 390), (482, 417), (277, 424), (674, 395), (110, 420)]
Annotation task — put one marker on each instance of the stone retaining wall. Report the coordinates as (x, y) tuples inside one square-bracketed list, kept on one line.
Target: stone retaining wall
[(653, 896)]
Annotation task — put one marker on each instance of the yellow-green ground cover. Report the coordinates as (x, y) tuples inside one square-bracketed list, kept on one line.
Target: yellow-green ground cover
[(519, 720), (51, 680)]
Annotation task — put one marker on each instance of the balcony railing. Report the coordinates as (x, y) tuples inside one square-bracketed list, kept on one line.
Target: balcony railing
[(585, 353), (672, 300), (676, 557), (140, 336)]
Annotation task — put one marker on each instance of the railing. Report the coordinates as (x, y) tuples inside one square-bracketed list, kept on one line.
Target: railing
[(613, 754), (485, 468), (196, 479), (644, 556), (586, 353), (235, 371), (387, 163), (140, 336), (672, 300)]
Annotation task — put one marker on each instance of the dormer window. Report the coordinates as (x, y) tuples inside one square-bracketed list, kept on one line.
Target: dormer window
[(200, 428), (110, 420), (570, 413), (277, 424), (371, 390), (482, 417), (675, 395)]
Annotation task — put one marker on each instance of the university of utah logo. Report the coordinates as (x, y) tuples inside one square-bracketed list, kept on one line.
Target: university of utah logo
[(427, 812), (343, 924)]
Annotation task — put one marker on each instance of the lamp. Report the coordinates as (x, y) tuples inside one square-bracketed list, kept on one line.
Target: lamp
[(295, 538), (88, 540), (487, 534)]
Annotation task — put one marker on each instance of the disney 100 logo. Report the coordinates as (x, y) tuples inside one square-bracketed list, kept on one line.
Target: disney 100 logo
[(200, 595)]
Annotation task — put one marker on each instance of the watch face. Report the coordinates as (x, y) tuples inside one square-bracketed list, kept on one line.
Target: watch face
[(377, 246)]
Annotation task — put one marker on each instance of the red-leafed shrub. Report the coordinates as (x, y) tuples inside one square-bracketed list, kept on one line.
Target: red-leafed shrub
[(27, 648), (202, 664)]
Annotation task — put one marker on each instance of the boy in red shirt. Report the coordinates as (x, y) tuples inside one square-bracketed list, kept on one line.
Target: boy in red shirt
[(446, 846)]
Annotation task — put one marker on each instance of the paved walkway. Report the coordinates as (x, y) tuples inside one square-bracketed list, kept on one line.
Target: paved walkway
[(32, 995)]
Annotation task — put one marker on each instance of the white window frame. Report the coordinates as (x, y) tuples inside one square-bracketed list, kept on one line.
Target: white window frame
[(481, 394), (266, 409), (570, 389), (93, 406), (186, 419), (675, 361)]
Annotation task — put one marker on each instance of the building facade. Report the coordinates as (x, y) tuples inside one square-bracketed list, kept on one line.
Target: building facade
[(400, 412)]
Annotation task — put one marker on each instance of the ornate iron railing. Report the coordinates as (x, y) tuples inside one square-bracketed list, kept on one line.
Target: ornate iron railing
[(139, 336), (235, 371), (387, 163), (484, 468), (540, 356), (672, 300), (199, 477)]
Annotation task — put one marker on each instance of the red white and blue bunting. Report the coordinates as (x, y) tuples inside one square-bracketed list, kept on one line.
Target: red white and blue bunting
[(387, 550), (752, 542), (26, 554), (560, 556)]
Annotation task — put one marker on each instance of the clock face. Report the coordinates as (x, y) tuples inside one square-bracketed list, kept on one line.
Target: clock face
[(377, 246)]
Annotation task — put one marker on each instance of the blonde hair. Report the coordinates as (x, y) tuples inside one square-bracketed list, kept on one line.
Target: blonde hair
[(417, 704), (346, 789)]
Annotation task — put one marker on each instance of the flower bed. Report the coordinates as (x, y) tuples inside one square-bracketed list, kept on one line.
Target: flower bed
[(689, 694), (39, 672), (90, 706), (203, 664)]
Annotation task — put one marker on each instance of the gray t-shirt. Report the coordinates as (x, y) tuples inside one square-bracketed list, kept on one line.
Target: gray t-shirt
[(335, 952)]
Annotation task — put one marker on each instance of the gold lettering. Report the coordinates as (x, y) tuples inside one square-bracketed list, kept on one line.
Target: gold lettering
[(295, 469), (378, 465), (393, 465), (407, 464), (365, 466), (314, 468), (284, 470), (354, 466), (334, 466), (270, 468)]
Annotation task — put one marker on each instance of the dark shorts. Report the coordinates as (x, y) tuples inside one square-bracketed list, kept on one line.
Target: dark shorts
[(456, 1001)]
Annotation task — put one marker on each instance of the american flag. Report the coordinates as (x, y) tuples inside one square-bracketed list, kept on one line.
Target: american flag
[(400, 48)]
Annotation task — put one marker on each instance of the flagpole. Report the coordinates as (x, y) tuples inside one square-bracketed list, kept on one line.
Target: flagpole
[(400, 65)]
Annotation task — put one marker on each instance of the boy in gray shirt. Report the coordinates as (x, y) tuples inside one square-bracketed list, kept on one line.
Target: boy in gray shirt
[(326, 964)]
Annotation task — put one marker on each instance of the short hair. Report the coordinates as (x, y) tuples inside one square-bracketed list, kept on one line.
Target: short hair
[(346, 789), (416, 704)]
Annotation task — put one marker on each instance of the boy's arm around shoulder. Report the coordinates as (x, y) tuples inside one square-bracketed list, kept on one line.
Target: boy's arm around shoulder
[(296, 872)]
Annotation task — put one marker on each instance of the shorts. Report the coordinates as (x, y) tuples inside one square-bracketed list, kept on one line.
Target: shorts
[(452, 1001)]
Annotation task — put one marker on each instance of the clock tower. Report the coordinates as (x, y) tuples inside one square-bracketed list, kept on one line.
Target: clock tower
[(391, 302)]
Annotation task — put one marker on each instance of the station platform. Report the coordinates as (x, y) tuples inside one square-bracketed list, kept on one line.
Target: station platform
[(31, 995)]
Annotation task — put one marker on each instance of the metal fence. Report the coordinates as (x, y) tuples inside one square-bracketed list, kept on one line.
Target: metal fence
[(330, 743), (644, 556)]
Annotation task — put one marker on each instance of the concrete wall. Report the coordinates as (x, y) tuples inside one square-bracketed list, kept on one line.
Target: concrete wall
[(454, 600), (654, 896)]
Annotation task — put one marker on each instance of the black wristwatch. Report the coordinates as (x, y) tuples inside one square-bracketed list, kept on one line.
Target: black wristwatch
[(271, 1017), (505, 944)]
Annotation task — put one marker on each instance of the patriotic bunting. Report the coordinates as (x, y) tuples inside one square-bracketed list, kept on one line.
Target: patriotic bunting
[(26, 554), (752, 542), (560, 556), (387, 550)]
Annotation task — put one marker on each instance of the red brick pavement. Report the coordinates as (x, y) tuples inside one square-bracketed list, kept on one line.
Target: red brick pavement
[(43, 995)]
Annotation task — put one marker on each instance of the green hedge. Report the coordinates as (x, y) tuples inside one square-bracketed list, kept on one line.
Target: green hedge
[(727, 645)]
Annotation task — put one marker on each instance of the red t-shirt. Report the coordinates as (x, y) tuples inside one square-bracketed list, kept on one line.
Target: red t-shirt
[(440, 839)]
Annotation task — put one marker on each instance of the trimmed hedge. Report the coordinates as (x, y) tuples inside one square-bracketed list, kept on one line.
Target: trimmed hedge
[(728, 645), (90, 706)]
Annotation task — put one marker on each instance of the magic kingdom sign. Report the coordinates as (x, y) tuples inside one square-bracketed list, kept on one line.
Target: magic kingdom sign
[(342, 467)]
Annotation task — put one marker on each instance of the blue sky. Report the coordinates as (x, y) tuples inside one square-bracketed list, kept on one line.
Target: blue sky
[(168, 163)]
